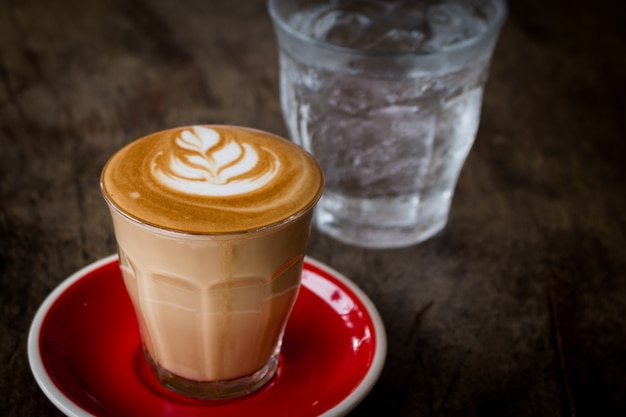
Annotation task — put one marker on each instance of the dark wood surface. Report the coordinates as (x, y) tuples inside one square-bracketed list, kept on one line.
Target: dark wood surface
[(518, 308)]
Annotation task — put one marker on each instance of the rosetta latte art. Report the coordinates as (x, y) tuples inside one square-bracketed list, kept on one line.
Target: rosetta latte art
[(204, 163)]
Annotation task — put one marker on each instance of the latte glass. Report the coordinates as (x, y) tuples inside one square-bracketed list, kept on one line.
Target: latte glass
[(212, 224)]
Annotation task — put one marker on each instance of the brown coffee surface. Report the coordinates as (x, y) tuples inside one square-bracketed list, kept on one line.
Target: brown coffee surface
[(211, 179)]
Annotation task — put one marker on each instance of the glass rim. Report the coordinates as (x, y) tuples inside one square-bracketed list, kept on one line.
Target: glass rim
[(215, 235), (493, 28)]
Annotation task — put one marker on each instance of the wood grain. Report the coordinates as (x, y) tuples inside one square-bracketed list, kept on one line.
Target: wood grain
[(516, 309)]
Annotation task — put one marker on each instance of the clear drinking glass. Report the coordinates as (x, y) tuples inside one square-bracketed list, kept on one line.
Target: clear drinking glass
[(212, 224), (387, 96)]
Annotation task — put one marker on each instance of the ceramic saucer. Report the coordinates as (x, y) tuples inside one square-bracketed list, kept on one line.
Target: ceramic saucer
[(85, 352)]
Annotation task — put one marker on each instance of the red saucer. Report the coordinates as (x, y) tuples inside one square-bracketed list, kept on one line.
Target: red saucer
[(85, 352)]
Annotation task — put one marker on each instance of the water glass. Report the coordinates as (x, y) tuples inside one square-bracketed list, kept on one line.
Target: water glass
[(387, 95)]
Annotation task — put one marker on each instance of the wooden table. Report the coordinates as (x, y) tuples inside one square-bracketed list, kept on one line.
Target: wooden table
[(516, 309)]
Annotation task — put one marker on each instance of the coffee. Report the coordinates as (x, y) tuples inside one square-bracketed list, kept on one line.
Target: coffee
[(212, 224)]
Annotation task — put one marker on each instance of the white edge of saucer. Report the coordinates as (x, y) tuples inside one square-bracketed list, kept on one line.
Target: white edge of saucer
[(69, 408), (54, 394), (380, 354)]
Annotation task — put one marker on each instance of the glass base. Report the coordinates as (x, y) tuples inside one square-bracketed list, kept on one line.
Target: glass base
[(374, 236), (215, 390), (382, 224)]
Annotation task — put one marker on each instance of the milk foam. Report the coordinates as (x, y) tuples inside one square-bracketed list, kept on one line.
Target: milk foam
[(205, 163), (212, 179)]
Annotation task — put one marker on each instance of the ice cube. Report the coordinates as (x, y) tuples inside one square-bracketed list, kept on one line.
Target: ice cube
[(451, 23), (339, 27)]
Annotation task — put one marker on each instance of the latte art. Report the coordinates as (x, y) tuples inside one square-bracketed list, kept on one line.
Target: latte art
[(205, 163)]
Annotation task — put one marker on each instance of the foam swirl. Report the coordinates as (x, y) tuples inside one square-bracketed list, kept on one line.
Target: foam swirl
[(205, 163)]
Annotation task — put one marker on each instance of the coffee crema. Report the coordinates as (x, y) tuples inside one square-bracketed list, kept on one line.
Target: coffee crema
[(212, 179)]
